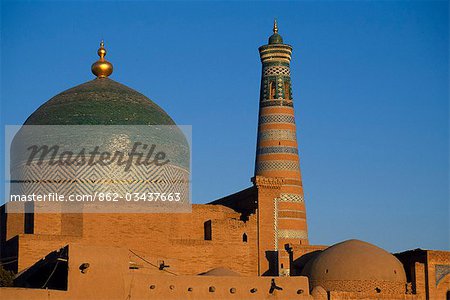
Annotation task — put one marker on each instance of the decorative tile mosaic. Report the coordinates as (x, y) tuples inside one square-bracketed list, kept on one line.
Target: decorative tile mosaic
[(275, 223), (291, 198), (276, 103), (277, 70), (277, 149), (277, 119), (441, 272), (262, 166), (277, 134), (275, 63)]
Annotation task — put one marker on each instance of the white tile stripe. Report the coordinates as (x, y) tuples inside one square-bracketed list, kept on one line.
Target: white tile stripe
[(292, 234), (291, 198)]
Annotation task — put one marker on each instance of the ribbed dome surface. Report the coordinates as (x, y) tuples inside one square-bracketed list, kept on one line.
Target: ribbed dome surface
[(355, 260), (101, 101)]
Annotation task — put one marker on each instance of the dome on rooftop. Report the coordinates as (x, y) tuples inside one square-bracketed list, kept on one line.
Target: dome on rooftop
[(355, 265), (131, 156), (101, 101), (275, 38)]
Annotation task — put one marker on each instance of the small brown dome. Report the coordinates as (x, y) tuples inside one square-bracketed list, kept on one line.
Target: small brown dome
[(355, 265)]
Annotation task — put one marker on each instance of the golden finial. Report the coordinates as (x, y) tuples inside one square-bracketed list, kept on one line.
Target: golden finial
[(275, 26), (102, 68)]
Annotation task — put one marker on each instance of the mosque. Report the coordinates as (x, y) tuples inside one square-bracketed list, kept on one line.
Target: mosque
[(252, 244)]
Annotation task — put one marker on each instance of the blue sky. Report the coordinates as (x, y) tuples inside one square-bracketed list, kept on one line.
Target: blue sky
[(370, 80)]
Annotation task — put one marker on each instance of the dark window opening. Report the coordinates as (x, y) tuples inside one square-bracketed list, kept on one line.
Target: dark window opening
[(272, 89), (287, 91), (207, 230), (244, 238), (29, 218)]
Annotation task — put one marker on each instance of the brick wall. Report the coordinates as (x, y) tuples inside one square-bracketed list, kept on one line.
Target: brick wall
[(438, 271), (365, 286), (176, 238), (109, 277)]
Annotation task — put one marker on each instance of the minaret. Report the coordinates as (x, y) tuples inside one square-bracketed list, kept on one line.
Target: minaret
[(277, 159)]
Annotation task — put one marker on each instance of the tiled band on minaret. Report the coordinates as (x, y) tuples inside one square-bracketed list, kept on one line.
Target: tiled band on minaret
[(277, 151)]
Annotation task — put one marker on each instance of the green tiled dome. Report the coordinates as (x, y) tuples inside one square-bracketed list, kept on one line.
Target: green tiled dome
[(275, 39), (101, 101)]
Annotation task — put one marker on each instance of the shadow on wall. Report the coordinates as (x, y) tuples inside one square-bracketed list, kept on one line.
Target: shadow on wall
[(299, 263), (50, 272), (10, 253), (272, 259)]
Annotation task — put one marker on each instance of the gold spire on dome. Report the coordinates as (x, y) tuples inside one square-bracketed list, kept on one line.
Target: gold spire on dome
[(102, 68), (275, 26)]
